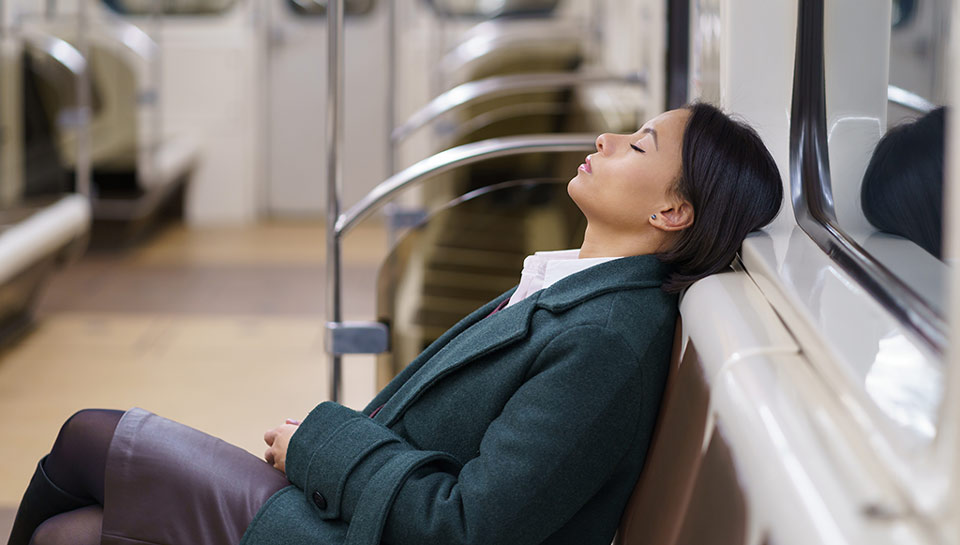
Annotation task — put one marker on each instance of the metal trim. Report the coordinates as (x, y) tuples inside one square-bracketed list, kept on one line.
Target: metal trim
[(812, 195)]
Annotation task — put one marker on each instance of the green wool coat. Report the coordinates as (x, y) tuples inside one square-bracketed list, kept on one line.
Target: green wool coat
[(526, 427)]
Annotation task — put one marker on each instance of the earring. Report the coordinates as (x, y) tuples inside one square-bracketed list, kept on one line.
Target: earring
[(653, 216)]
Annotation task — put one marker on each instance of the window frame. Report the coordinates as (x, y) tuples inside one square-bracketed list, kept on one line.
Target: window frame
[(812, 195)]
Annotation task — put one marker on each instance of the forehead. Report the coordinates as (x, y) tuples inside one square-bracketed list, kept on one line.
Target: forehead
[(671, 119), (669, 125)]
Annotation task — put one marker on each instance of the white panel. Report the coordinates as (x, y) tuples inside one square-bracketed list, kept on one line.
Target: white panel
[(741, 57), (730, 319), (210, 91), (949, 443), (856, 66), (297, 94), (808, 474), (886, 378)]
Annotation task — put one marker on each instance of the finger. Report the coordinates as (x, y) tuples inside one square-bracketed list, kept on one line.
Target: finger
[(292, 421), (269, 436)]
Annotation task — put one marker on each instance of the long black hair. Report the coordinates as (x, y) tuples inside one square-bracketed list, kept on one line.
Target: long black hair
[(734, 186), (902, 190)]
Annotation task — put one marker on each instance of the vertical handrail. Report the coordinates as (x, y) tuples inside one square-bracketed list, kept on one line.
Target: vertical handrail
[(391, 84), (334, 140), (84, 162)]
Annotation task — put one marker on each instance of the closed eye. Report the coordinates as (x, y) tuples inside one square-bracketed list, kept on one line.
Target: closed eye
[(634, 146)]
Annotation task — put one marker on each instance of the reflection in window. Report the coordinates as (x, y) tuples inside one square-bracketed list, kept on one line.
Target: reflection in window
[(905, 386), (903, 11), (902, 191), (170, 7)]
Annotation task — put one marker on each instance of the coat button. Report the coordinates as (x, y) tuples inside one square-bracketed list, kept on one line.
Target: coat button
[(319, 501)]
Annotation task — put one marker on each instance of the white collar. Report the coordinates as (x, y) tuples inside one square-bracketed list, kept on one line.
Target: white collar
[(544, 269)]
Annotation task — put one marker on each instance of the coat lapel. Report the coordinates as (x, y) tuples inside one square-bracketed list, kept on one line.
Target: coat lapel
[(478, 334), (473, 341)]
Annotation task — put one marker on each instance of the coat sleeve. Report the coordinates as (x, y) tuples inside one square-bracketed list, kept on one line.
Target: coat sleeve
[(557, 440)]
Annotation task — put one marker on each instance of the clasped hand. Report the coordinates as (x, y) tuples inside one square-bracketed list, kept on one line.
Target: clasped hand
[(278, 439)]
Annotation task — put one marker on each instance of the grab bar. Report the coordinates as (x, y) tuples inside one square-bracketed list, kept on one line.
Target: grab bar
[(372, 337), (460, 156), (499, 35), (59, 50), (69, 57), (465, 94)]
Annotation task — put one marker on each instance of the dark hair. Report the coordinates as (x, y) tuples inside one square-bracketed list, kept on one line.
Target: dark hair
[(902, 190), (734, 186)]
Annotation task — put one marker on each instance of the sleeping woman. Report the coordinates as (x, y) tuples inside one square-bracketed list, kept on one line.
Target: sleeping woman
[(526, 423)]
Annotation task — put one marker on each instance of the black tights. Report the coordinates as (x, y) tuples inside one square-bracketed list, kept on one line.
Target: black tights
[(77, 464)]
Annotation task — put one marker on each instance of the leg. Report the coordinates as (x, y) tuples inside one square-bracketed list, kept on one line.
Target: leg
[(78, 459), (77, 527), (72, 476)]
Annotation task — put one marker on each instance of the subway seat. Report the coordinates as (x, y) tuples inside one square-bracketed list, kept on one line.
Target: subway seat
[(44, 232), (691, 490)]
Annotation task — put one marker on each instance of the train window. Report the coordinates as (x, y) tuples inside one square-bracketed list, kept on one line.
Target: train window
[(885, 136), (492, 8), (868, 175), (318, 8), (170, 7)]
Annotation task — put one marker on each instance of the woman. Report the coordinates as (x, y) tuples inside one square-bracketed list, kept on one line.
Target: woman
[(527, 422)]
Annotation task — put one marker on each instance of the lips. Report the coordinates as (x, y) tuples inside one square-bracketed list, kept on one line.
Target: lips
[(586, 166)]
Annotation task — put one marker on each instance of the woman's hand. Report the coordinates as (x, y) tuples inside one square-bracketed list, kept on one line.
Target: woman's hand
[(278, 439)]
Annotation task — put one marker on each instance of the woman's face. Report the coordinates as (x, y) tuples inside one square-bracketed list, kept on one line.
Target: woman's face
[(630, 177)]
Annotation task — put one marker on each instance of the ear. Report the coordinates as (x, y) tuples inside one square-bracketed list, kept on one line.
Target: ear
[(677, 218)]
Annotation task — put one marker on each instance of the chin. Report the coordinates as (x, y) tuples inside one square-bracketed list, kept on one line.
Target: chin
[(573, 190)]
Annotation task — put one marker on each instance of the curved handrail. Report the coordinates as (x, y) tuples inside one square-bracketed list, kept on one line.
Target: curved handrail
[(465, 94), (459, 156), (134, 38), (512, 111), (496, 35), (313, 7), (59, 50), (907, 99)]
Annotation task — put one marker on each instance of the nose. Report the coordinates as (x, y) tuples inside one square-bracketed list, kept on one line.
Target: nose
[(603, 142)]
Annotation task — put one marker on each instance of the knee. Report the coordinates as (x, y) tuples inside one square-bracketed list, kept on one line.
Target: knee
[(76, 423), (79, 527), (87, 426), (48, 533)]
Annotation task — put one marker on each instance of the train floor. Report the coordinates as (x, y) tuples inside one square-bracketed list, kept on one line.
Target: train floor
[(220, 329)]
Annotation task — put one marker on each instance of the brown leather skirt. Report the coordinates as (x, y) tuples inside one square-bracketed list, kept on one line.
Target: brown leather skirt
[(170, 484)]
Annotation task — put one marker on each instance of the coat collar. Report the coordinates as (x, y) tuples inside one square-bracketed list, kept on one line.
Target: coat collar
[(634, 272), (478, 334)]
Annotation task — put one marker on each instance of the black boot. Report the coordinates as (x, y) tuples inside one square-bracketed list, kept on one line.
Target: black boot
[(42, 500)]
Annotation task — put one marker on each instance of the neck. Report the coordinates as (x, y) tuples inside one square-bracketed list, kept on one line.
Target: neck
[(601, 242)]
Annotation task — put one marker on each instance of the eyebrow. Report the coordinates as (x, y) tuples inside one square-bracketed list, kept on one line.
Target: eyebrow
[(654, 133)]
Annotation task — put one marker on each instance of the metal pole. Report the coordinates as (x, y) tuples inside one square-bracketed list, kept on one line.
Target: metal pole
[(392, 56), (83, 163), (156, 76), (334, 141)]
